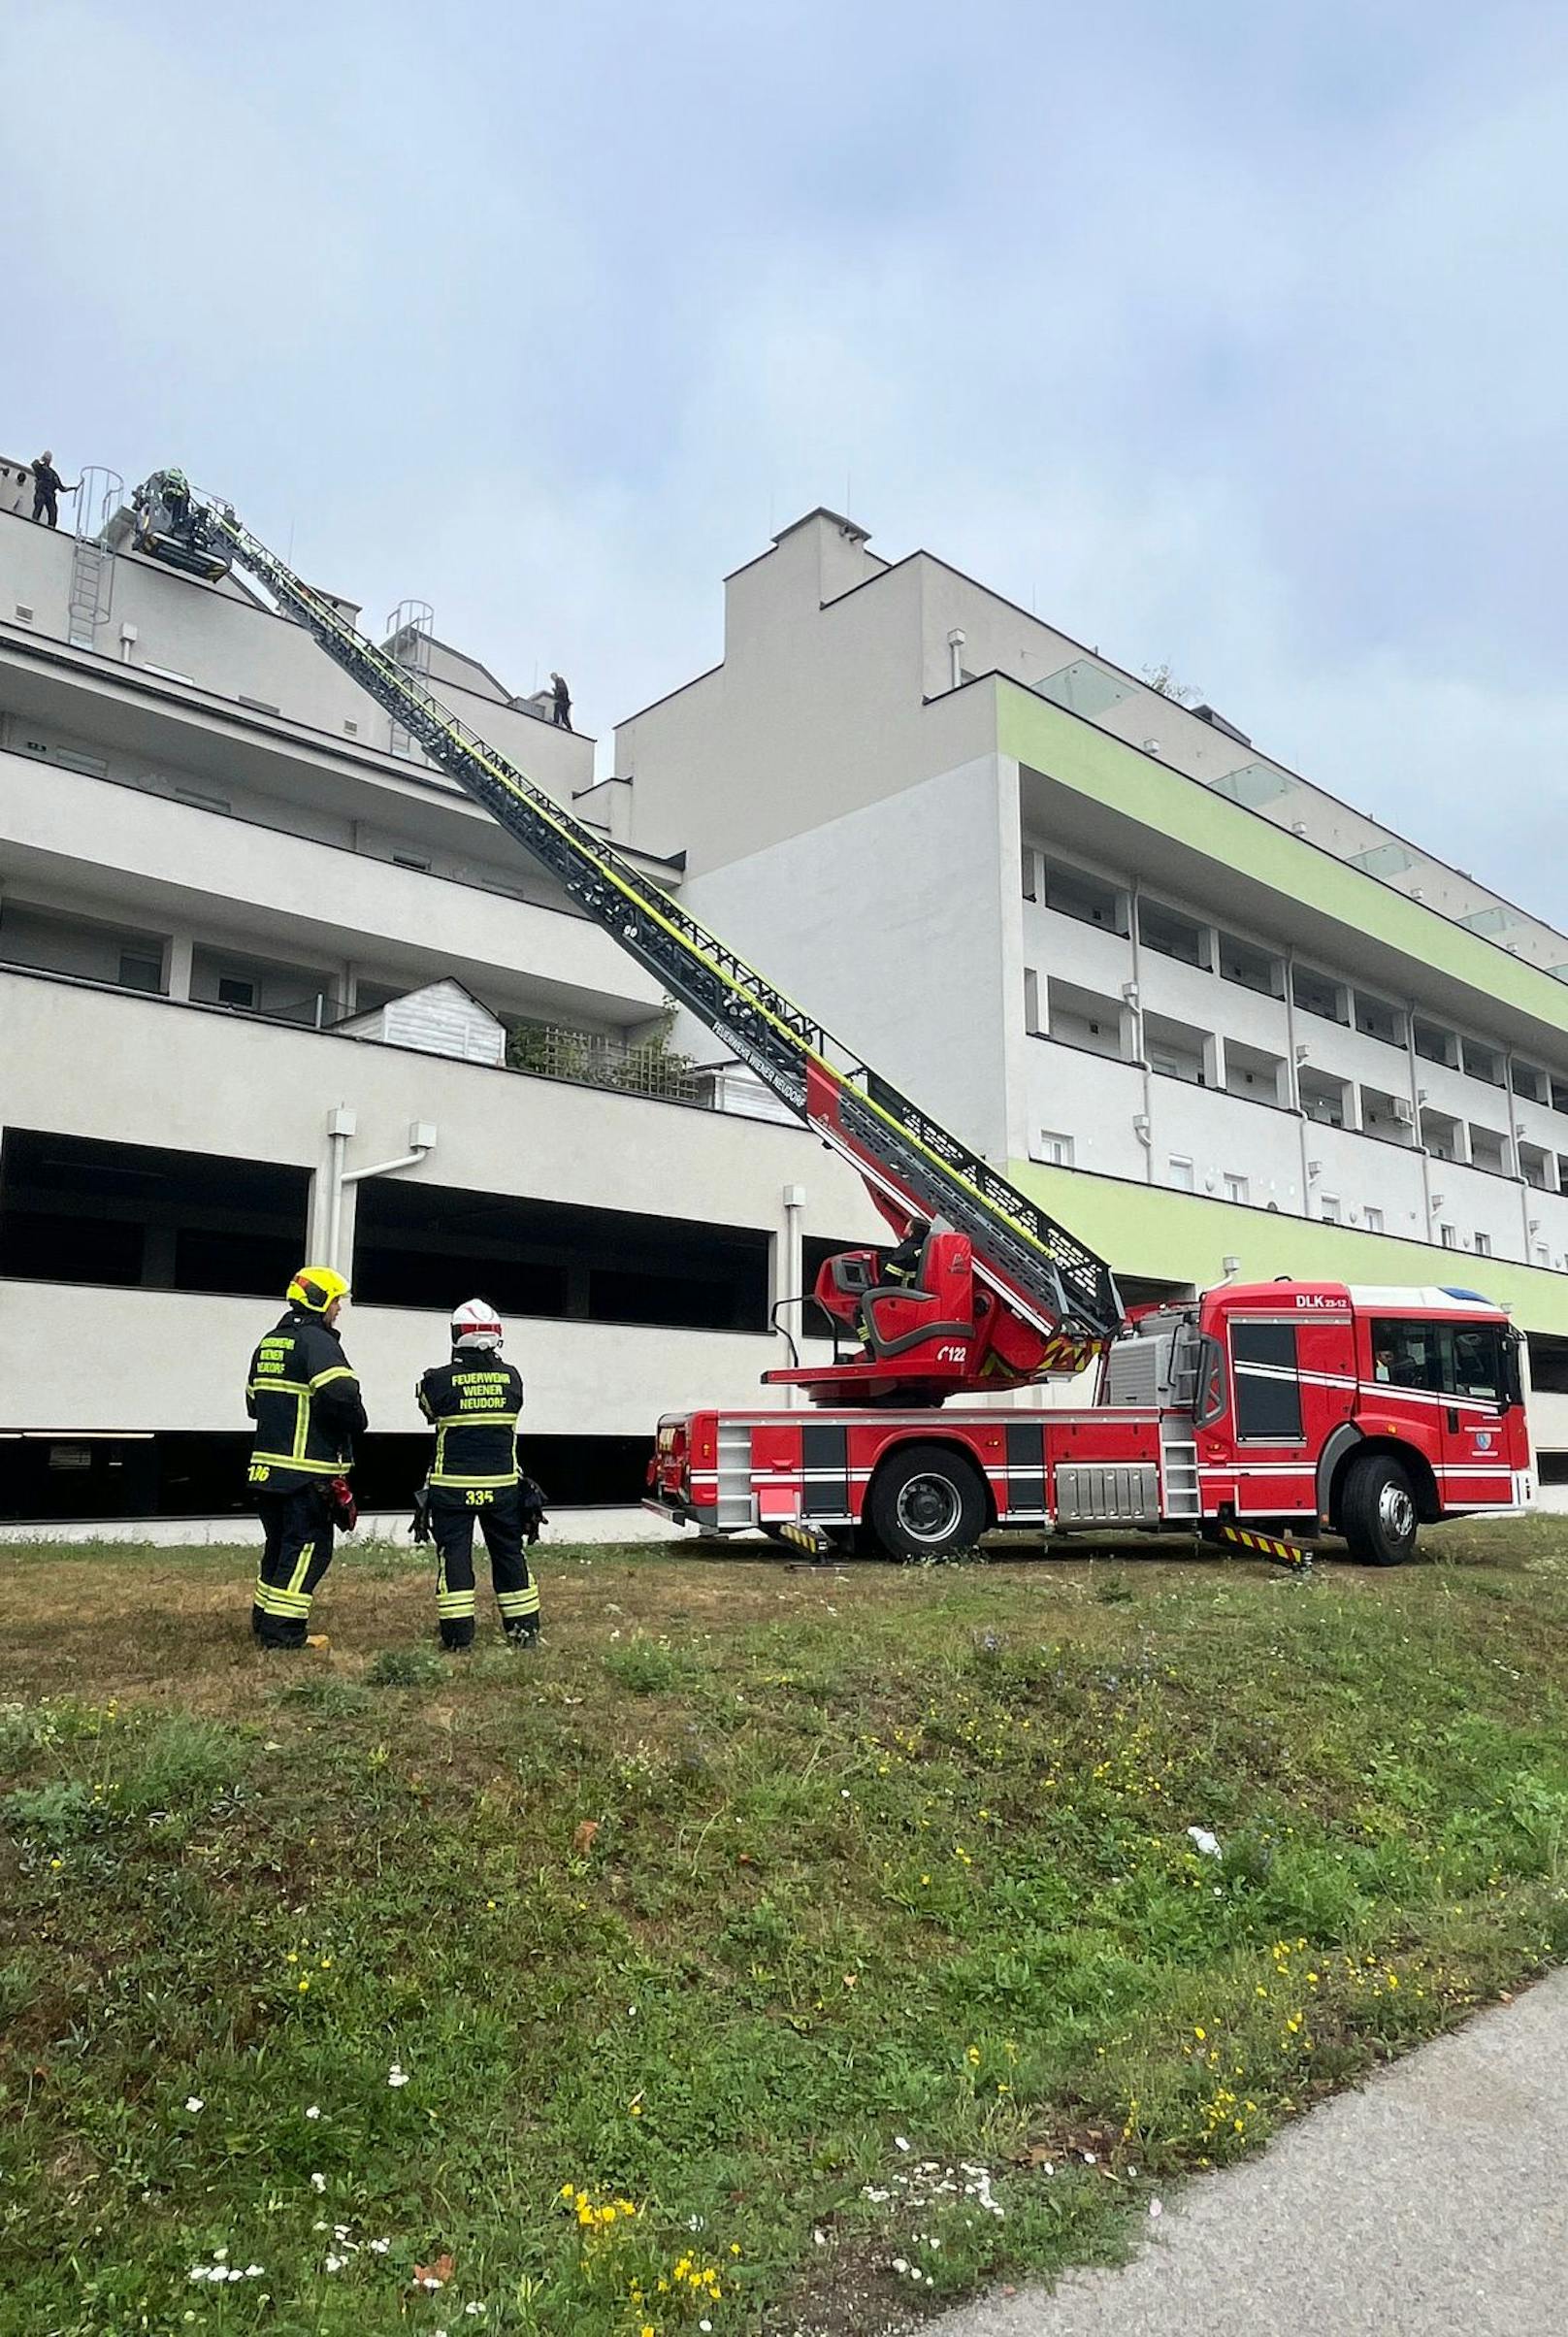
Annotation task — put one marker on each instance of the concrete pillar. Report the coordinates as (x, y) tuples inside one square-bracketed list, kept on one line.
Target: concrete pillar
[(182, 949)]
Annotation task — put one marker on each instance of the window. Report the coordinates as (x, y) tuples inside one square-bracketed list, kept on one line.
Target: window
[(1489, 1150), (1245, 962), (1235, 1188), (1435, 1045), (138, 972), (1373, 1219), (415, 1244), (1268, 1392), (1450, 1236), (1055, 1151), (1542, 1256), (1483, 1063), (1375, 1018), (1172, 935), (1084, 1018), (1323, 1098), (1328, 1209), (1447, 1359), (1315, 993), (1531, 1084), (1560, 1095), (234, 990), (1483, 1244), (81, 1209), (1180, 1172), (1030, 862), (1075, 893)]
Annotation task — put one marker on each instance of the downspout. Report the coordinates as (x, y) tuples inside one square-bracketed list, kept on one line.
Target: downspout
[(421, 1143), (1143, 1125), (794, 1262)]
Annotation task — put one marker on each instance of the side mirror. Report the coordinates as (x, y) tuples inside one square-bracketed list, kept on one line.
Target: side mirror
[(1513, 1369)]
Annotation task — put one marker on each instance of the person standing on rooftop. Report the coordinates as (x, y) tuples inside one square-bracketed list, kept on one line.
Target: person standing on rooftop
[(562, 698), (47, 485)]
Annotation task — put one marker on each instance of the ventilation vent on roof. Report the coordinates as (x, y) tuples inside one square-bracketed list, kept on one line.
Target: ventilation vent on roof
[(25, 614)]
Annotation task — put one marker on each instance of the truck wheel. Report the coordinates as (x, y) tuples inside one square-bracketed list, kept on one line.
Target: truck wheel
[(928, 1503), (1378, 1511)]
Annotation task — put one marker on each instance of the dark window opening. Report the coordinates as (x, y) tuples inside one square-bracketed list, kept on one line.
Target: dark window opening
[(1268, 1392), (1172, 935), (75, 1210), (435, 1245), (60, 1480)]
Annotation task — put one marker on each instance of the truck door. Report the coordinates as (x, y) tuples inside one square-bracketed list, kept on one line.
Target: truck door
[(1476, 1471), (1274, 1476)]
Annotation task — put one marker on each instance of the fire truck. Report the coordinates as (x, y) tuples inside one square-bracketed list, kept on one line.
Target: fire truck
[(1261, 1415)]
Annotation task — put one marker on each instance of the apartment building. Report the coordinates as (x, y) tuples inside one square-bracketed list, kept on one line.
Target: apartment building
[(1218, 1020), (270, 985)]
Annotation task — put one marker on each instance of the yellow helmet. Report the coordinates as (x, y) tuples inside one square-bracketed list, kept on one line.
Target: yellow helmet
[(314, 1287)]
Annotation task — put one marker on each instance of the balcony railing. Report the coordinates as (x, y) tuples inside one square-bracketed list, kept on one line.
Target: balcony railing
[(588, 1058)]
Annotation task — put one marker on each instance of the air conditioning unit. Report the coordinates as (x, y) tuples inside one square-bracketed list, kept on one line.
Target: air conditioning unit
[(1404, 1112)]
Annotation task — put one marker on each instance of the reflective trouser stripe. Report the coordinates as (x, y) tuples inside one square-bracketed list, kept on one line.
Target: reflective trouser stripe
[(514, 1604), (313, 1468), (455, 1602), (291, 1605), (296, 1580)]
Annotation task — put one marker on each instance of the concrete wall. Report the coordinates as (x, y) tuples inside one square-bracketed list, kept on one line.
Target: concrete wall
[(816, 711), (890, 923)]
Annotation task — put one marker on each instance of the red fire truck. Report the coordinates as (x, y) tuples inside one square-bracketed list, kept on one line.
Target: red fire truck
[(1262, 1414)]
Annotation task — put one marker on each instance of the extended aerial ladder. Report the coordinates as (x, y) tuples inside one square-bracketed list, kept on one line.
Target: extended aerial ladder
[(1046, 1285)]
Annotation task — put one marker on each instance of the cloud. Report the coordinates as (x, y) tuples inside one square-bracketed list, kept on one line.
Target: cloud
[(1230, 338)]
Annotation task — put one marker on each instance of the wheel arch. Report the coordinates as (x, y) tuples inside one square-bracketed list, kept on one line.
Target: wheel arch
[(924, 1440), (1337, 1457)]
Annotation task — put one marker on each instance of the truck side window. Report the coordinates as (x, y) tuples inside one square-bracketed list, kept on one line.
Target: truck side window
[(1473, 1360), (1407, 1355), (1268, 1392)]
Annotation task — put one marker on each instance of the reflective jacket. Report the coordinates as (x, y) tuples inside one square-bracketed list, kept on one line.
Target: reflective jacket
[(473, 1402), (304, 1402)]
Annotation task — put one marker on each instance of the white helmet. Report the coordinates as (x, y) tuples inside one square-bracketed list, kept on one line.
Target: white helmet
[(475, 1328)]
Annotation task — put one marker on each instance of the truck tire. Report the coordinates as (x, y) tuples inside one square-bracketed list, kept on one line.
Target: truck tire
[(927, 1501), (1377, 1511)]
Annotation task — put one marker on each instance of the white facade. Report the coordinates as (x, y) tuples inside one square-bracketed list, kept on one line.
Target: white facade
[(233, 915), (1209, 1012)]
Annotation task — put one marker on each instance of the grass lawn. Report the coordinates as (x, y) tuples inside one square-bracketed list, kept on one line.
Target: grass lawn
[(774, 1950)]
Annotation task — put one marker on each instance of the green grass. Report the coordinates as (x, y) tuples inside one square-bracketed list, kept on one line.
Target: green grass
[(748, 1879)]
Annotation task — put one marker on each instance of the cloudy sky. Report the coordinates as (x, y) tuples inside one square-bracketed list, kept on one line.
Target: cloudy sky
[(1229, 336)]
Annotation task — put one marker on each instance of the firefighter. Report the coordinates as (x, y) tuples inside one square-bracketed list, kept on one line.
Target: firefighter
[(305, 1400), (902, 1265), (473, 1402)]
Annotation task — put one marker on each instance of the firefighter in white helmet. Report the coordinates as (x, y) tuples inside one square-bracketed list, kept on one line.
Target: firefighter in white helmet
[(473, 1403)]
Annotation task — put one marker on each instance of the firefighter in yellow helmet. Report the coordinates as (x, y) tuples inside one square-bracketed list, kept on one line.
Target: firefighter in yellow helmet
[(305, 1400)]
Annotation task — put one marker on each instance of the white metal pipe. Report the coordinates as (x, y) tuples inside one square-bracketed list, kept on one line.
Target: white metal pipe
[(405, 1159)]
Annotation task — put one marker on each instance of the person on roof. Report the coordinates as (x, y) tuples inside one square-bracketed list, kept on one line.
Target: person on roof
[(473, 1402), (47, 487), (304, 1398), (561, 700)]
